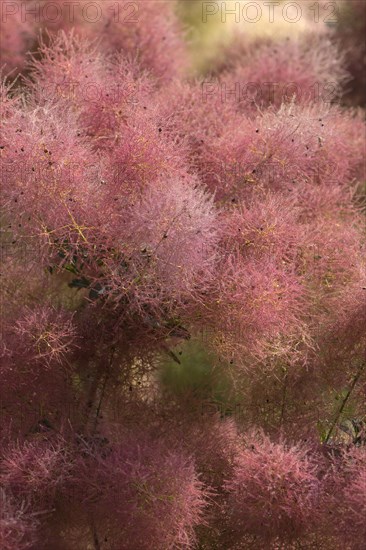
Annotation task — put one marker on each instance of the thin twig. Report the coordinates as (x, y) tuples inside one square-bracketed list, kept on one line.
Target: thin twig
[(102, 392), (283, 398), (344, 402), (100, 400)]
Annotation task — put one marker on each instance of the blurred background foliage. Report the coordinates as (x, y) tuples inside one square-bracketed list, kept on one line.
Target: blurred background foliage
[(345, 19), (207, 38), (197, 375)]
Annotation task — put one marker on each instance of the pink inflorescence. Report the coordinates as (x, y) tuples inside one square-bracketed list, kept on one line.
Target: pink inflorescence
[(273, 490)]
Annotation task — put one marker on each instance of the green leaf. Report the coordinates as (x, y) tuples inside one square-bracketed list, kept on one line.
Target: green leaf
[(72, 268)]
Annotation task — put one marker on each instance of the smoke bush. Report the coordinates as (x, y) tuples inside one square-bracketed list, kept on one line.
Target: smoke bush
[(151, 220), (345, 497), (141, 492), (18, 36), (282, 150), (33, 471), (47, 336), (273, 489), (308, 68), (147, 31), (17, 525)]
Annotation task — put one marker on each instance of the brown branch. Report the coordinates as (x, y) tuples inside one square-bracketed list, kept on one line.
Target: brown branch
[(91, 396), (96, 540), (93, 391), (95, 534)]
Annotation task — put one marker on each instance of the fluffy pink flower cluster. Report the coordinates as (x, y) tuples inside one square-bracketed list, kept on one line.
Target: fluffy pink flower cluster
[(301, 68), (144, 30), (273, 489)]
